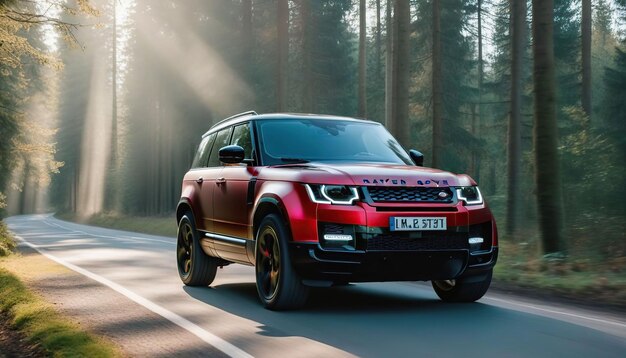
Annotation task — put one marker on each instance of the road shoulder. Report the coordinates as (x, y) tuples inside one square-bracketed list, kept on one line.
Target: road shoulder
[(102, 311)]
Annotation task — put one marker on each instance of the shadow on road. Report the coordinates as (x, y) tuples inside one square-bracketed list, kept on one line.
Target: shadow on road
[(406, 319)]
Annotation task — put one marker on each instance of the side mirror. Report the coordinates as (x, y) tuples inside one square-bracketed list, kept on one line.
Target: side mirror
[(417, 157), (231, 154)]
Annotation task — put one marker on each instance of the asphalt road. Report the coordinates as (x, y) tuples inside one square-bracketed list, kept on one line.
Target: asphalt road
[(369, 320)]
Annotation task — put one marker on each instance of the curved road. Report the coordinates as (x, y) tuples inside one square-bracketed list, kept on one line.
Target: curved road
[(369, 320)]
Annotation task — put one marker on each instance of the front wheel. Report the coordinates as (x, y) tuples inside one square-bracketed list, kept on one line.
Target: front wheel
[(278, 285), (195, 268), (467, 289)]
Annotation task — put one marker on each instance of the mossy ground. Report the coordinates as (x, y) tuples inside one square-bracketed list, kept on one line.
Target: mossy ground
[(35, 319)]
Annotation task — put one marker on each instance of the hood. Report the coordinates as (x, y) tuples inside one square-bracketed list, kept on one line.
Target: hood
[(367, 174)]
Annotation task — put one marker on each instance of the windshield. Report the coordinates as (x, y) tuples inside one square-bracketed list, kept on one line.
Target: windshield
[(324, 140)]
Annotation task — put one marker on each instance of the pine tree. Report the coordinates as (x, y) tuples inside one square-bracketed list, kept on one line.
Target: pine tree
[(514, 160), (548, 181), (586, 57), (362, 112)]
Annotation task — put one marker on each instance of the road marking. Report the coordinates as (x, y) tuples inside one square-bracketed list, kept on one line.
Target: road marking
[(210, 338), (538, 308)]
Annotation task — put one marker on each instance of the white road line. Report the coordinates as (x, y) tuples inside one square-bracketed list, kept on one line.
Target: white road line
[(180, 321), (538, 308), (106, 237)]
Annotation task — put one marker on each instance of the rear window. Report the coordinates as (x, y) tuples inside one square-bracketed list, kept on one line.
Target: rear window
[(221, 140), (202, 155)]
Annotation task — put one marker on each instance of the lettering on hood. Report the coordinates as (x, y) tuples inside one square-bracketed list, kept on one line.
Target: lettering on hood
[(403, 182)]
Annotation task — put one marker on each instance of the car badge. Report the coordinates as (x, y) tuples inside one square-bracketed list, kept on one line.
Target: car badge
[(443, 194)]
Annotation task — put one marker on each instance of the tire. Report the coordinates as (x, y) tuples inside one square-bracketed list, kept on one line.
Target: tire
[(195, 268), (467, 289), (278, 285)]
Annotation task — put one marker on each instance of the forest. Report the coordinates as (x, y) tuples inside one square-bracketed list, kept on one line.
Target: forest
[(103, 102)]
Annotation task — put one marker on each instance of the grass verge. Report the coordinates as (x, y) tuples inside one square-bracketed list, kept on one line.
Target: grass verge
[(153, 225), (40, 323), (584, 280)]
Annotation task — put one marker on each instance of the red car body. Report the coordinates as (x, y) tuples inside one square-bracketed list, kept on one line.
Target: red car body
[(229, 201)]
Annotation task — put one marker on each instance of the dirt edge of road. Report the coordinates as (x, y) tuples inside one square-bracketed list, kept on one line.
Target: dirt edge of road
[(32, 327)]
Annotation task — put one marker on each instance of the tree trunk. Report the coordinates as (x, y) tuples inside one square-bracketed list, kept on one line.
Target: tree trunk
[(114, 90), (548, 179), (401, 59), (307, 44), (282, 19), (518, 40), (362, 65), (111, 187), (378, 44), (246, 46), (476, 114), (388, 66), (586, 57), (437, 86)]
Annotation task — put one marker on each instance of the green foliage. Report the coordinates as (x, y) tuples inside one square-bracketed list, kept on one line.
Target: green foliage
[(591, 160), (333, 56), (566, 53), (7, 243), (458, 83), (27, 92), (614, 104)]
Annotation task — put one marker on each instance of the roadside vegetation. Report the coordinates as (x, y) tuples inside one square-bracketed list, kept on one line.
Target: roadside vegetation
[(7, 244), (36, 320), (584, 279)]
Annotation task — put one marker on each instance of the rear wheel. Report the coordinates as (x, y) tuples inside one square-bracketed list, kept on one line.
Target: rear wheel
[(195, 268), (278, 285), (467, 289)]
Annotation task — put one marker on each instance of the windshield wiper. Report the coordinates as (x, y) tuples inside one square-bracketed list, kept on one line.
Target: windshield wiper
[(294, 160)]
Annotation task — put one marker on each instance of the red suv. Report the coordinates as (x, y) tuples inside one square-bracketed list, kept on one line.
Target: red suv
[(316, 201)]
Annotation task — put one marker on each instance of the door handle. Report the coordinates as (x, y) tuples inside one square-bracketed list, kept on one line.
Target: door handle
[(220, 181), (199, 180)]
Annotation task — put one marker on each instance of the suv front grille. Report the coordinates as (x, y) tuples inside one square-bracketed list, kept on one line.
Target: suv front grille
[(429, 241), (409, 194)]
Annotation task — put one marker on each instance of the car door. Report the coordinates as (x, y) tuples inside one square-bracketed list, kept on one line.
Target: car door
[(210, 175), (231, 202), (195, 178)]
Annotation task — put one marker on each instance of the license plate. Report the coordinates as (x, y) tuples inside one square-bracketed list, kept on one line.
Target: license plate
[(403, 223)]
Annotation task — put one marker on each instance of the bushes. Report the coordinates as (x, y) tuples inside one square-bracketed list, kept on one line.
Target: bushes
[(7, 243)]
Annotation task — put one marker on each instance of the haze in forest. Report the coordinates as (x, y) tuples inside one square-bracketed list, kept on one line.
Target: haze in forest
[(105, 116)]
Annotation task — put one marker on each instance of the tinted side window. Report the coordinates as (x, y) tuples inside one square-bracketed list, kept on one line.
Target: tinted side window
[(241, 137), (202, 155), (221, 140)]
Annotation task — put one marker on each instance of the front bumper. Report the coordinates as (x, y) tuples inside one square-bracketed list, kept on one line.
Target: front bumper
[(313, 263), (378, 254)]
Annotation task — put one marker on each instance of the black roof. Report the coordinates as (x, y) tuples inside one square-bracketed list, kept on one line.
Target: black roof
[(252, 115)]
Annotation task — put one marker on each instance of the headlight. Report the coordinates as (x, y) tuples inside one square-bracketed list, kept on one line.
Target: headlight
[(470, 195), (332, 194)]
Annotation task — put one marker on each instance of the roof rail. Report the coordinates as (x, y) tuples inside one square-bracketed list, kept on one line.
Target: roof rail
[(235, 116)]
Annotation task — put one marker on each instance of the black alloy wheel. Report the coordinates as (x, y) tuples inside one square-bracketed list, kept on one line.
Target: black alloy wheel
[(465, 289), (278, 285), (195, 268), (183, 249), (268, 268)]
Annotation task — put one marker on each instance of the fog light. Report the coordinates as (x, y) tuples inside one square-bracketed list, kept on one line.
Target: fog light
[(475, 243), (475, 240), (337, 237)]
